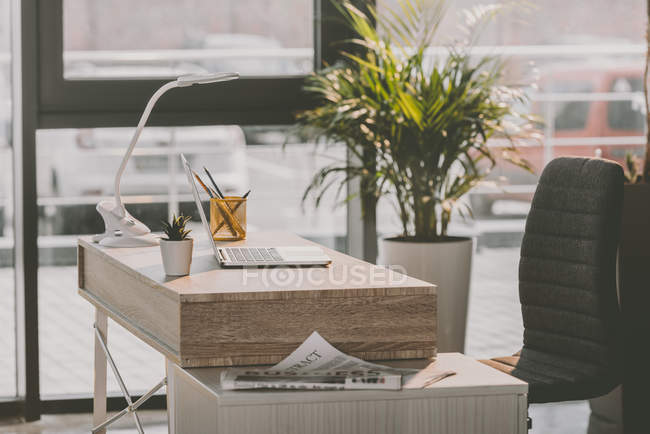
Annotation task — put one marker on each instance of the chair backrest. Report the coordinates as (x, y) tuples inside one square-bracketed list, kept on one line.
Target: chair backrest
[(567, 277)]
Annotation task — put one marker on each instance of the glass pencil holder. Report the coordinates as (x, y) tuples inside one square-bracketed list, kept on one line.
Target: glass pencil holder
[(228, 218)]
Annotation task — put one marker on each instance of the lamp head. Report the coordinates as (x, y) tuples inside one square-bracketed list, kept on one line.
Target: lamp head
[(122, 229), (188, 80)]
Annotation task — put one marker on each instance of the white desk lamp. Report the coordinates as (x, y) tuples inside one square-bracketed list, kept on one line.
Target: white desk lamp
[(122, 229)]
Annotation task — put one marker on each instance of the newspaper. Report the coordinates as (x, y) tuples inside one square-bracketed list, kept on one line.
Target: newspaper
[(316, 364)]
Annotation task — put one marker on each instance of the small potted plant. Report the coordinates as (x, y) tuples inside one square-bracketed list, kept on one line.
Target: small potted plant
[(176, 249)]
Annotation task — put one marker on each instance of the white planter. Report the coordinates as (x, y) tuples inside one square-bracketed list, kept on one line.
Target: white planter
[(447, 264), (176, 256)]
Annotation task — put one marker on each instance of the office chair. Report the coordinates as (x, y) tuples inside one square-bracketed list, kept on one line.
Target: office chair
[(567, 284)]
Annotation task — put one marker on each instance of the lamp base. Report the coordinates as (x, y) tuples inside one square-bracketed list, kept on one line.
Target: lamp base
[(122, 229), (148, 240)]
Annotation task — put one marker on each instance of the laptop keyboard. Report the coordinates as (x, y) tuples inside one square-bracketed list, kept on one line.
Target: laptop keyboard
[(253, 254)]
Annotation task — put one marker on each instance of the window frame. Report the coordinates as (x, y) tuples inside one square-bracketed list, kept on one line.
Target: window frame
[(44, 99), (65, 103)]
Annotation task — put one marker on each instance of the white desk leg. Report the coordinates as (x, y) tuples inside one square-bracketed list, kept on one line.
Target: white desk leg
[(99, 394), (171, 410)]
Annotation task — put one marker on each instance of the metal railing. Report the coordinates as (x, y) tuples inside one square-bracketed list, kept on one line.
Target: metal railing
[(162, 57)]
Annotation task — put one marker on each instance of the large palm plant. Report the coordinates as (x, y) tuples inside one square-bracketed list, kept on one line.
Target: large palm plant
[(425, 120)]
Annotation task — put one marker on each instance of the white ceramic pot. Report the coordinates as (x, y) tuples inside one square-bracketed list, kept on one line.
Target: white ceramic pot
[(447, 264), (176, 256)]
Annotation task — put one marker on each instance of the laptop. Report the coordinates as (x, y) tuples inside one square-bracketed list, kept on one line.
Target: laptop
[(255, 256)]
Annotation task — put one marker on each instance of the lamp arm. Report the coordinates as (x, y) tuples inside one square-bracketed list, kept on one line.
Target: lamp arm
[(136, 135)]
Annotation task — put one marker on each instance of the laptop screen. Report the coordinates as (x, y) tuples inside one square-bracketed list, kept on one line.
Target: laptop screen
[(197, 200)]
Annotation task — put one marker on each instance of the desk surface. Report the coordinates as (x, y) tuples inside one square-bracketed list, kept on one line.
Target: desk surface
[(472, 379), (208, 281), (224, 316)]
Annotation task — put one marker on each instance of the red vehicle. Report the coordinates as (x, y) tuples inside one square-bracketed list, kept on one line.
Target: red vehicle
[(588, 111), (616, 116)]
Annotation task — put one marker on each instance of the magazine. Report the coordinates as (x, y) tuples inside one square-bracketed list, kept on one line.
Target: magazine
[(316, 364)]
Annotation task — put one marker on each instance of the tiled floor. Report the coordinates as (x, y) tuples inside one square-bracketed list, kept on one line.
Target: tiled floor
[(494, 328), (154, 422), (494, 324)]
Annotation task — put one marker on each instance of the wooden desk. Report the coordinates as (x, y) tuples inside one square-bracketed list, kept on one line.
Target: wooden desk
[(221, 317), (477, 400), (215, 317)]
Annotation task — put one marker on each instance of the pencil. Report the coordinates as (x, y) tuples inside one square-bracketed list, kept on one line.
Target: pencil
[(207, 190), (226, 210), (234, 210), (216, 187)]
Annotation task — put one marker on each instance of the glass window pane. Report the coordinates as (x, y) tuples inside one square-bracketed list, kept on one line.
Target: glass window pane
[(7, 282), (546, 22), (627, 115), (570, 115), (153, 38), (581, 65), (77, 169)]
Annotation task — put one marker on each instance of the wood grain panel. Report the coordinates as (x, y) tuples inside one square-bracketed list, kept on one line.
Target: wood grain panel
[(396, 327), (140, 303), (137, 331), (80, 267), (261, 359)]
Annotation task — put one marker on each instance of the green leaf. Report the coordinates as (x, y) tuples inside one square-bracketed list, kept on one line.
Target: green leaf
[(417, 128), (175, 228)]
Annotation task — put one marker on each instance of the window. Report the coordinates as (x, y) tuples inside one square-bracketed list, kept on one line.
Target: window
[(85, 80), (153, 38), (77, 169), (627, 115), (582, 72), (83, 89), (571, 115), (81, 80)]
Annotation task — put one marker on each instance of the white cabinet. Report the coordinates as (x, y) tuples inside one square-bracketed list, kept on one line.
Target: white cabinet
[(478, 399)]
